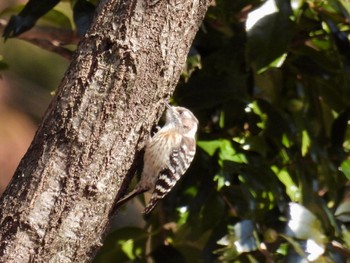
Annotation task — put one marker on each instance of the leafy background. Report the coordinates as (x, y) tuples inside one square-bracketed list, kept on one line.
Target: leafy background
[(270, 180)]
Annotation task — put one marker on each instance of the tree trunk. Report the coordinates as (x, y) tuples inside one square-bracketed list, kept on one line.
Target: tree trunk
[(59, 202)]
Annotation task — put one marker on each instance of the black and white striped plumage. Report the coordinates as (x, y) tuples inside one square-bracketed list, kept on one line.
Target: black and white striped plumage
[(168, 154)]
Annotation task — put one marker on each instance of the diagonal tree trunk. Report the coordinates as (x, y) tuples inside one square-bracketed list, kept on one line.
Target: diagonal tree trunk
[(58, 204)]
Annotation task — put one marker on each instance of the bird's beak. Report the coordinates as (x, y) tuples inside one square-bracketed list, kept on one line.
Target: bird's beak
[(168, 105)]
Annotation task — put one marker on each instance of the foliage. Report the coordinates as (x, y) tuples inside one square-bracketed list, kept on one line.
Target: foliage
[(28, 15), (270, 178)]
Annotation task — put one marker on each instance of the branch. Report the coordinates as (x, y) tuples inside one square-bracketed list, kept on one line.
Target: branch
[(51, 39)]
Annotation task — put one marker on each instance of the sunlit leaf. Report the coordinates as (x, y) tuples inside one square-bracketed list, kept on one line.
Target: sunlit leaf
[(342, 212), (209, 147), (293, 190), (296, 6), (305, 143), (285, 141), (127, 247), (346, 235), (228, 153), (242, 237), (299, 253), (125, 244), (183, 215), (345, 167), (226, 150), (276, 63), (220, 179), (304, 225)]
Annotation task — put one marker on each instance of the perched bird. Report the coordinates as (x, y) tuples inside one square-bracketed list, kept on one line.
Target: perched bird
[(168, 154)]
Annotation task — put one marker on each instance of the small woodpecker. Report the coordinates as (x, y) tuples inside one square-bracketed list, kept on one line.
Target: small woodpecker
[(168, 154)]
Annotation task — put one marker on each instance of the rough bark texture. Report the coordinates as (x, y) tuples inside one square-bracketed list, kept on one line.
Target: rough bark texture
[(57, 206)]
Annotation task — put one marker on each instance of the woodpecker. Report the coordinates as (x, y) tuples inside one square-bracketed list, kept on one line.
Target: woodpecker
[(168, 154)]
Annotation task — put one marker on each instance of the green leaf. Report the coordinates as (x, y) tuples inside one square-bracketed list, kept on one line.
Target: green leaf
[(305, 143), (293, 190), (3, 65), (228, 153), (343, 212), (220, 179), (209, 147), (125, 244), (345, 168)]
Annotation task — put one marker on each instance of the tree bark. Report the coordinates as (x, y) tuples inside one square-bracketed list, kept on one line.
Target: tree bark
[(59, 202)]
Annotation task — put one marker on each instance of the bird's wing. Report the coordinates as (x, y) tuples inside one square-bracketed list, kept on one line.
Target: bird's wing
[(179, 161)]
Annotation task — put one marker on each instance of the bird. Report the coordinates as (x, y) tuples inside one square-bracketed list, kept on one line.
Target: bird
[(168, 154)]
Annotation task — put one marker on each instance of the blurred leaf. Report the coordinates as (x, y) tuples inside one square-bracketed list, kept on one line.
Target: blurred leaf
[(3, 65), (241, 238), (56, 19), (123, 244), (220, 179), (226, 151), (343, 212), (346, 236), (345, 167), (127, 246), (292, 189), (297, 254), (53, 17), (304, 225), (246, 239), (83, 13), (193, 63), (340, 38), (209, 147), (28, 16), (305, 143)]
